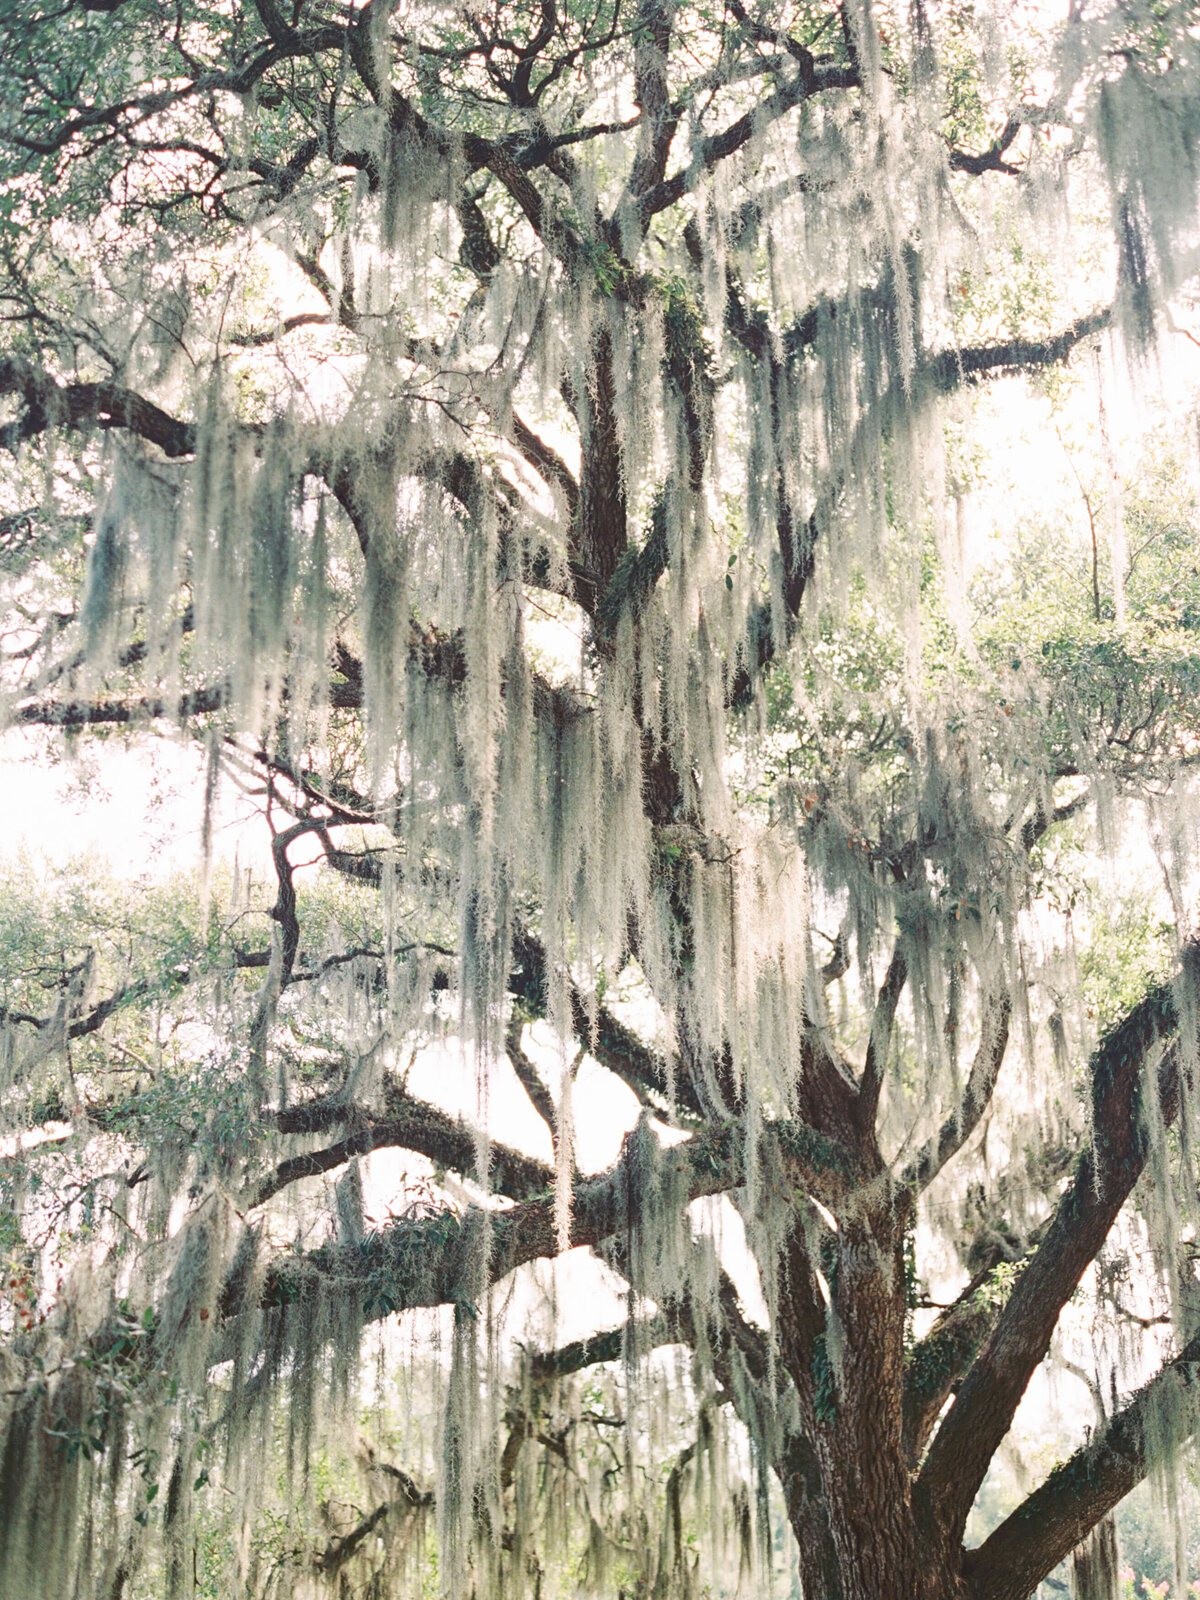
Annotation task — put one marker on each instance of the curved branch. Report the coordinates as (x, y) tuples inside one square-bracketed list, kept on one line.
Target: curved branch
[(431, 1261), (409, 1124), (1048, 1525), (47, 404), (977, 1096), (410, 1496), (991, 159), (982, 1414), (129, 994)]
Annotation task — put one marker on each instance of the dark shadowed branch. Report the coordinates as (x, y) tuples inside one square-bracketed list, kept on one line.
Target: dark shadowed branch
[(983, 1411), (1047, 1526)]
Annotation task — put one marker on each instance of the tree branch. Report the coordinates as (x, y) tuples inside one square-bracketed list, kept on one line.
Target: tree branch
[(977, 1095), (982, 1414), (49, 404), (941, 372), (408, 1124), (338, 1551), (991, 159), (880, 1042), (119, 713), (433, 1261), (548, 463), (545, 1366), (651, 95), (611, 1043), (717, 147), (937, 1362), (538, 1095), (1031, 1542)]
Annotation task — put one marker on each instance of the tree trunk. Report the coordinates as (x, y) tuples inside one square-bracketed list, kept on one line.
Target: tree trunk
[(848, 1489)]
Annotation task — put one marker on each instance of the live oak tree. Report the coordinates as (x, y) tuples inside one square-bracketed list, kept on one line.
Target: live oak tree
[(355, 356)]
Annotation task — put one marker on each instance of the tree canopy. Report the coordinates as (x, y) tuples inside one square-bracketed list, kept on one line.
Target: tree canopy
[(528, 448)]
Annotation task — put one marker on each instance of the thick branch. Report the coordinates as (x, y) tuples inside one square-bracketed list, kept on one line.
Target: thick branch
[(548, 463), (409, 1124), (435, 1260), (651, 95), (119, 713), (991, 159), (1035, 826), (636, 575), (338, 1551), (547, 1365), (1031, 1542), (949, 368), (982, 1414), (48, 404), (937, 1362), (827, 1100)]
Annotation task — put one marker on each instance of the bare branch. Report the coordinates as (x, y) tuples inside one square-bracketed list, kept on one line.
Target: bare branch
[(539, 1096)]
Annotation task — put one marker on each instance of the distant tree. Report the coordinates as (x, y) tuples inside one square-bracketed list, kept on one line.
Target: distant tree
[(511, 438)]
